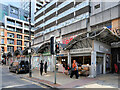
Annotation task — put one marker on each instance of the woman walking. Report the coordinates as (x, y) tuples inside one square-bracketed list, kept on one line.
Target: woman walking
[(45, 67), (41, 67)]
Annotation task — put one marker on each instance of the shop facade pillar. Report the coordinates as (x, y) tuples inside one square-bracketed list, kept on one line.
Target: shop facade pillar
[(69, 59), (93, 64), (104, 64)]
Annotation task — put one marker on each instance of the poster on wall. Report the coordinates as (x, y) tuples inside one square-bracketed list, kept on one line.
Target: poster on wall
[(35, 62), (48, 59)]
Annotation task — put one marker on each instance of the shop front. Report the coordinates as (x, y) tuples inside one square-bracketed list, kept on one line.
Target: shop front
[(62, 60), (45, 56), (93, 51)]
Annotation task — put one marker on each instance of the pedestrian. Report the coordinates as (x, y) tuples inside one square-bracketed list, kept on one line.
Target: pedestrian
[(41, 67), (66, 69), (45, 67), (77, 68), (74, 70)]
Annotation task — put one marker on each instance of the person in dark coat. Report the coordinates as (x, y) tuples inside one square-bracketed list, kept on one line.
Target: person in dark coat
[(45, 67), (41, 67)]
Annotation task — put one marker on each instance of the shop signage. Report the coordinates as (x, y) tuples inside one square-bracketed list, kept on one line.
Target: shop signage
[(68, 39), (46, 54), (102, 48), (82, 50), (61, 55)]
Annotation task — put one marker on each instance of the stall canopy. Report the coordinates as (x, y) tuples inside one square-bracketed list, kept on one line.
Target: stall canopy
[(84, 40), (18, 52), (45, 47), (4, 55), (25, 52), (9, 54)]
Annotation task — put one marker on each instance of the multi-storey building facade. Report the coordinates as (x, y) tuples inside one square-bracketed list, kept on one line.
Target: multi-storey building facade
[(35, 4), (68, 19), (12, 11), (14, 35), (63, 14), (15, 29)]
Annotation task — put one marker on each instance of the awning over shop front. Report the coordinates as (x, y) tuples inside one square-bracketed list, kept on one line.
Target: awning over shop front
[(9, 54), (45, 47), (84, 40), (18, 52), (4, 55), (25, 52)]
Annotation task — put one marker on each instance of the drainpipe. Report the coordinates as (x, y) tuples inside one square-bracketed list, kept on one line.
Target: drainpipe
[(88, 21)]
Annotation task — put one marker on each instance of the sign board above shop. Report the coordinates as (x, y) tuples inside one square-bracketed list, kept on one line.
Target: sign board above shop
[(46, 54), (102, 48), (82, 50)]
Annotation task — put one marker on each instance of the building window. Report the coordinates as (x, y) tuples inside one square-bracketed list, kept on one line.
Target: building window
[(19, 48), (19, 36), (25, 43), (18, 30), (26, 32), (97, 6), (2, 33), (10, 49), (26, 26), (19, 24), (2, 49), (26, 38), (2, 41), (10, 41), (11, 22), (10, 29), (19, 42), (10, 35)]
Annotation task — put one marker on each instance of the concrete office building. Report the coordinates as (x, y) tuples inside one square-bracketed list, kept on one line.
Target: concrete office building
[(71, 19)]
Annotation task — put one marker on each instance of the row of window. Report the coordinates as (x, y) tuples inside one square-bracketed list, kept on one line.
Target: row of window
[(19, 24), (11, 41), (18, 30), (18, 36), (62, 8), (10, 49)]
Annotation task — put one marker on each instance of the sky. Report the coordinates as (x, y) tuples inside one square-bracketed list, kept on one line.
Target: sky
[(12, 2)]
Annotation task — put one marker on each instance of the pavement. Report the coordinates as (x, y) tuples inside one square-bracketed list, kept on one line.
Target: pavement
[(64, 81), (13, 80)]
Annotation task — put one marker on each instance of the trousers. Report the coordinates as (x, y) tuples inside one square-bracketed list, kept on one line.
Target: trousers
[(74, 73)]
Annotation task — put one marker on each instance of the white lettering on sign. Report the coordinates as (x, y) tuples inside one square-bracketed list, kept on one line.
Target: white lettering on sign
[(102, 48)]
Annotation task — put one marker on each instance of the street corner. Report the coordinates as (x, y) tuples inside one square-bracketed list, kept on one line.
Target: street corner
[(46, 83)]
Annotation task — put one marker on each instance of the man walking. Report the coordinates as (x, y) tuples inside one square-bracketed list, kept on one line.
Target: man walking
[(41, 67), (45, 67), (74, 70)]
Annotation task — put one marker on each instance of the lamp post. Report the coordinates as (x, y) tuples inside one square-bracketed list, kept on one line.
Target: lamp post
[(30, 72)]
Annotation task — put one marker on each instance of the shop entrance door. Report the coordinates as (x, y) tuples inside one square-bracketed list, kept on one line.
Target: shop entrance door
[(99, 65)]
